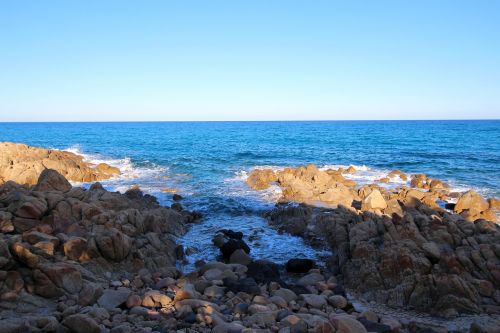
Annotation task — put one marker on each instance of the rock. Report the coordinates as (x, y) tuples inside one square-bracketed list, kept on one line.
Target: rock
[(337, 196), (113, 244), (298, 265), (315, 301), (264, 271), (232, 245), (246, 285), (494, 203), (112, 299), (431, 250), (287, 294), (471, 201), (240, 257), (295, 323), (373, 326), (310, 279), (347, 324), (260, 179), (186, 292), (337, 301), (51, 180), (373, 201), (156, 299), (34, 237), (75, 249), (133, 301), (80, 323), (370, 315), (24, 165), (228, 328), (56, 278), (351, 169)]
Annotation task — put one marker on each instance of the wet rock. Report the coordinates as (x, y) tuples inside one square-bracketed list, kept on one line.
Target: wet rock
[(264, 271), (240, 257), (261, 179), (232, 245), (298, 265)]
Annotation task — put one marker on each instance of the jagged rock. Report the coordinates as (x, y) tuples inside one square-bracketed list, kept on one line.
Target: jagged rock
[(24, 165), (113, 244), (373, 201), (471, 201), (260, 179), (51, 180)]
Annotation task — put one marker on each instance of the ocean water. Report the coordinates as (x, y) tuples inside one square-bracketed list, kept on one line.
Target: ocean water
[(207, 163)]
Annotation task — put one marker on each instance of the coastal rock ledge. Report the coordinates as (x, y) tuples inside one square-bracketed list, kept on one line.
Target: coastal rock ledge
[(24, 164)]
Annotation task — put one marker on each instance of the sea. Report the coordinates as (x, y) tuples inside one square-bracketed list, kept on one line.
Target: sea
[(207, 163)]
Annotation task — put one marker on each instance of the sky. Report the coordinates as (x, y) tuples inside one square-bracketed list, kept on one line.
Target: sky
[(249, 60)]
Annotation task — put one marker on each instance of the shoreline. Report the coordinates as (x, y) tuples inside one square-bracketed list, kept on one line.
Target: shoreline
[(322, 293)]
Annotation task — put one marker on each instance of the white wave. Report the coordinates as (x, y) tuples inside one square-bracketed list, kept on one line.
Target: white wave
[(148, 178)]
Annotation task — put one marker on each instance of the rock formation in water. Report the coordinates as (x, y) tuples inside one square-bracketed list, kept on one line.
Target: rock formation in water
[(397, 246), (329, 187), (24, 164)]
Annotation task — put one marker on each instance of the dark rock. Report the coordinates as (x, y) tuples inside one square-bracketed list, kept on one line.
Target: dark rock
[(232, 245), (449, 205), (241, 308), (247, 285), (298, 265), (374, 327), (176, 197), (264, 271), (232, 234)]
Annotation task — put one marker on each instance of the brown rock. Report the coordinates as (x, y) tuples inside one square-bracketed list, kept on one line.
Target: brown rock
[(113, 244), (373, 201), (471, 201), (24, 164), (51, 180), (261, 179)]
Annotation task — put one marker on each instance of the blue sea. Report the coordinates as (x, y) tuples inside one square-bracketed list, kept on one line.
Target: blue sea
[(207, 163)]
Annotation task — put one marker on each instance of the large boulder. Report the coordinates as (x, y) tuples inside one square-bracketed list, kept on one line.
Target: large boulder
[(51, 180), (373, 201), (471, 201), (113, 244)]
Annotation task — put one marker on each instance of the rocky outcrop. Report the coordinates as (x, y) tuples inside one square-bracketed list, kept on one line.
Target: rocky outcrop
[(24, 164), (330, 188), (426, 259), (59, 241)]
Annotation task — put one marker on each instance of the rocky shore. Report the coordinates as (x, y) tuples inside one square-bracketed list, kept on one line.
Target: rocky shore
[(23, 164), (76, 259), (408, 247)]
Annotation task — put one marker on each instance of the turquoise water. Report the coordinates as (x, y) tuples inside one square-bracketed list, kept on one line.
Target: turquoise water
[(207, 161)]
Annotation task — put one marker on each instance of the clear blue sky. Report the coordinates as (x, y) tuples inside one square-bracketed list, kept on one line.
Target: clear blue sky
[(249, 60)]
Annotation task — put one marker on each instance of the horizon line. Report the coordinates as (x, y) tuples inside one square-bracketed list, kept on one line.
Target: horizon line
[(238, 121)]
